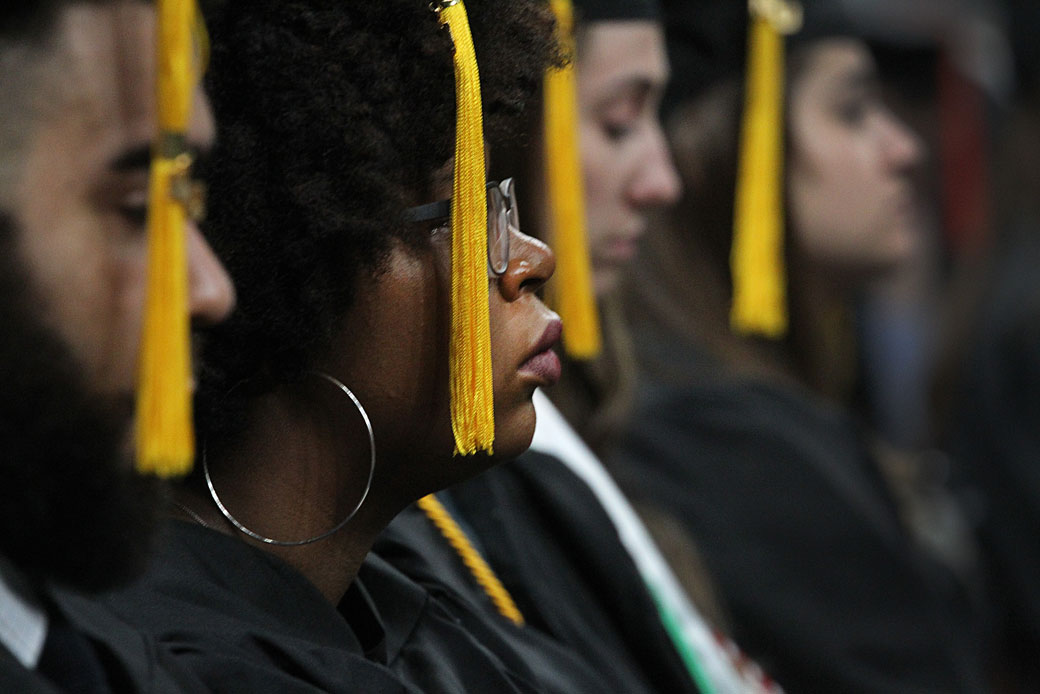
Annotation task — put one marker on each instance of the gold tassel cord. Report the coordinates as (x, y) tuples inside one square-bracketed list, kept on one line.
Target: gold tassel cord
[(478, 567), (472, 393), (165, 442), (571, 292), (757, 259)]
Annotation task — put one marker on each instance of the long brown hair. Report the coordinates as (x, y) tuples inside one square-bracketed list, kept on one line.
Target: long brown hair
[(679, 290)]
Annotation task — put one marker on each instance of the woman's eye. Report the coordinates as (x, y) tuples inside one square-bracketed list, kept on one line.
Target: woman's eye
[(617, 131), (134, 208), (855, 106), (624, 115), (852, 112), (137, 216)]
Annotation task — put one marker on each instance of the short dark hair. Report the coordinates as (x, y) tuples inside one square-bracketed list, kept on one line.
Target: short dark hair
[(332, 117), (33, 20), (27, 20)]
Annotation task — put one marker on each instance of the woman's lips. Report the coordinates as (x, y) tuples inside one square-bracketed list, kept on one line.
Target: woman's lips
[(620, 248), (544, 364)]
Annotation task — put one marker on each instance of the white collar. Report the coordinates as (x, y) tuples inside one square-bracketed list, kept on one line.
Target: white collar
[(23, 621), (554, 436)]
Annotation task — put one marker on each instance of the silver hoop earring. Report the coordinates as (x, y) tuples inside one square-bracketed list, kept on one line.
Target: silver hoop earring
[(339, 526)]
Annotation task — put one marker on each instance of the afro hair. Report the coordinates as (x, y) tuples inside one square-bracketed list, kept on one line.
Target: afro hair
[(332, 118)]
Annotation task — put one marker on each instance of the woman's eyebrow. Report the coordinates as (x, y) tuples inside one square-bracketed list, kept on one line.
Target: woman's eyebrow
[(861, 78), (636, 87), (135, 158)]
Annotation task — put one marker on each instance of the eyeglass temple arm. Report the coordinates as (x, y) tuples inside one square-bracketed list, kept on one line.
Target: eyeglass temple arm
[(435, 210), (432, 210)]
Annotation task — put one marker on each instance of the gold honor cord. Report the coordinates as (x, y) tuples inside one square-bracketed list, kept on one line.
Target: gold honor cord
[(478, 567), (571, 291), (472, 392), (165, 443), (757, 259)]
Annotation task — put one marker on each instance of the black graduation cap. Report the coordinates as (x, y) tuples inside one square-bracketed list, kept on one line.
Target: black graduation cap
[(26, 17), (713, 40), (606, 10), (1024, 24), (707, 39)]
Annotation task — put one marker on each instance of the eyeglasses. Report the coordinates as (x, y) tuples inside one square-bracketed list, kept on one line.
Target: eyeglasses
[(503, 218)]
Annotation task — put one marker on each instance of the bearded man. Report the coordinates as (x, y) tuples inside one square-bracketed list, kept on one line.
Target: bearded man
[(77, 123)]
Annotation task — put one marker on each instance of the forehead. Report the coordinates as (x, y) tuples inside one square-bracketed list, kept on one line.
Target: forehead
[(615, 54), (106, 58), (838, 62)]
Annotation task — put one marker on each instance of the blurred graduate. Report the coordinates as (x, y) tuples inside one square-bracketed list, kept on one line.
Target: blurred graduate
[(838, 569), (87, 236), (388, 343), (563, 544)]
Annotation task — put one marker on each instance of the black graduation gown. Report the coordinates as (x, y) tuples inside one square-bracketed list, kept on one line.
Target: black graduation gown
[(994, 440), (557, 552), (415, 547), (243, 620), (129, 661), (15, 677), (823, 586)]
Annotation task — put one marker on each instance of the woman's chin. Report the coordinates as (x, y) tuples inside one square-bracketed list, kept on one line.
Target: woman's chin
[(512, 447), (509, 445), (513, 433)]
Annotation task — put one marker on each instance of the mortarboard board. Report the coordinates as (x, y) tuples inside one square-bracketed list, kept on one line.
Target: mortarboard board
[(617, 10), (707, 39), (1024, 23)]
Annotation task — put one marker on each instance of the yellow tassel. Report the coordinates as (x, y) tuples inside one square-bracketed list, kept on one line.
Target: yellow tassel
[(571, 292), (757, 260), (483, 574), (472, 392), (165, 443)]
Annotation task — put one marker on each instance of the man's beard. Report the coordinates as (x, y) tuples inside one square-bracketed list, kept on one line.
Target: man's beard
[(71, 508)]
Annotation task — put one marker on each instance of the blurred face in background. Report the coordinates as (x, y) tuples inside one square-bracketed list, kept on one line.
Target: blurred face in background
[(73, 255), (853, 204), (83, 193), (622, 71)]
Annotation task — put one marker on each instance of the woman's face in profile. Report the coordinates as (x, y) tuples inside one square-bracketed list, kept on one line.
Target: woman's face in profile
[(628, 171), (393, 352), (853, 205)]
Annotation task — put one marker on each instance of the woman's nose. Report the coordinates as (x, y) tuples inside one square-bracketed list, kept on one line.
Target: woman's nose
[(904, 148), (656, 182)]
